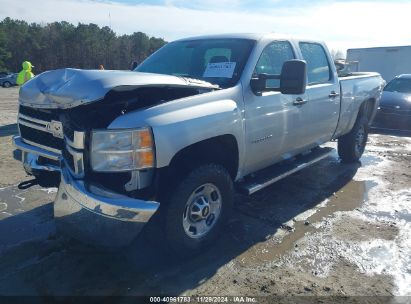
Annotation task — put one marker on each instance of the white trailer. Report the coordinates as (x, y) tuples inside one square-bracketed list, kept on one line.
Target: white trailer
[(388, 61)]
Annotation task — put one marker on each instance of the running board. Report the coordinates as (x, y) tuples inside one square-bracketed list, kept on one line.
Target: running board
[(272, 174)]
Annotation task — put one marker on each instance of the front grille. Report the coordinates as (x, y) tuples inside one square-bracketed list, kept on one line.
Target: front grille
[(46, 115), (69, 159), (47, 161), (45, 129), (42, 138), (68, 131)]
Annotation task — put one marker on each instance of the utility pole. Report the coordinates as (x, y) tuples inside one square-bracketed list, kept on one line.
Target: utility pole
[(109, 18)]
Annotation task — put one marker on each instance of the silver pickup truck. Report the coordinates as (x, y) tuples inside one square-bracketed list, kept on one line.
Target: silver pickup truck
[(171, 141)]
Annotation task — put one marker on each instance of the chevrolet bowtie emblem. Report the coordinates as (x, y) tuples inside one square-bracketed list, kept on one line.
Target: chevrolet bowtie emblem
[(55, 128)]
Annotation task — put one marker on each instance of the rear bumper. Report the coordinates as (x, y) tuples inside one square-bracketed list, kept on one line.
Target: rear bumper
[(97, 216)]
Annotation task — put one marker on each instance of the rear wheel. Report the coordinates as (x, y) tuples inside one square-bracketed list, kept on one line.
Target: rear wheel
[(6, 84), (352, 145), (197, 209)]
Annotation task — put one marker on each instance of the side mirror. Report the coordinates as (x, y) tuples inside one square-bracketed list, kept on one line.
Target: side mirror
[(293, 78), (258, 83)]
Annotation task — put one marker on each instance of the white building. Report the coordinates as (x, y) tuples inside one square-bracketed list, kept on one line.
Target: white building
[(388, 61)]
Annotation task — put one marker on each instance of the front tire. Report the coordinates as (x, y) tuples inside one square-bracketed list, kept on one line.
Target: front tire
[(197, 209), (352, 145), (6, 84)]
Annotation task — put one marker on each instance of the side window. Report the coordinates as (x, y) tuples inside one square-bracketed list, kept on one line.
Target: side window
[(272, 59), (318, 68)]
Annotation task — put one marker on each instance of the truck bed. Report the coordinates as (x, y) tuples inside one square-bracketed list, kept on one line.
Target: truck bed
[(354, 89), (355, 75)]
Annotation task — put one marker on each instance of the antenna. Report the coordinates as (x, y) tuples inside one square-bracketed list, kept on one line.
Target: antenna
[(109, 18)]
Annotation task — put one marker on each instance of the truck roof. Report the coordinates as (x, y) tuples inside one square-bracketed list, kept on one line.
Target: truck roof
[(252, 36)]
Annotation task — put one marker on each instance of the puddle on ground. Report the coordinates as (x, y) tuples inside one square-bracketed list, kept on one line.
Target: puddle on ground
[(374, 237), (348, 198)]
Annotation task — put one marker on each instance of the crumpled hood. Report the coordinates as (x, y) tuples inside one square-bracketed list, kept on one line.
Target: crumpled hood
[(67, 88)]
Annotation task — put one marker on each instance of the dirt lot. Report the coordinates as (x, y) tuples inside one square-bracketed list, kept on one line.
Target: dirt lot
[(331, 229)]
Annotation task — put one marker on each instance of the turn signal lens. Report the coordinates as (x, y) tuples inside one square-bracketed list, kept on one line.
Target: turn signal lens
[(145, 159), (145, 139)]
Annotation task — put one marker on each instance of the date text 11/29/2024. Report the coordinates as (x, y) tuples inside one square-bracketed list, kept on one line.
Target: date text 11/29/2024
[(203, 299)]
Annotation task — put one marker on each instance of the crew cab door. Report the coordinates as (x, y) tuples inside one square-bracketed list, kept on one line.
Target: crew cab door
[(273, 123), (323, 90)]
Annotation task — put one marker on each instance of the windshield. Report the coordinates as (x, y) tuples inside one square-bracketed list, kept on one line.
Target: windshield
[(400, 85), (218, 61)]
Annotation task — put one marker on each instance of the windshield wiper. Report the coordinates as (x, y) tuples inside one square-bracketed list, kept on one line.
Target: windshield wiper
[(199, 81)]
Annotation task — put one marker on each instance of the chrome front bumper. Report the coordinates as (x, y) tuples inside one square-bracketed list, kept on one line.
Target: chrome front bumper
[(86, 211), (97, 216), (30, 155)]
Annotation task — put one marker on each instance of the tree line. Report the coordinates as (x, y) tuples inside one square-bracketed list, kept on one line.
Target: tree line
[(62, 44)]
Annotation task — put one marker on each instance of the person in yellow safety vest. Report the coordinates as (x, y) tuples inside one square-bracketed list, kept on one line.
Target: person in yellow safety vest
[(25, 74)]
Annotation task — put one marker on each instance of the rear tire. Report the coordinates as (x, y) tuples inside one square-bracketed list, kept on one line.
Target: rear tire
[(352, 145), (6, 84), (197, 209)]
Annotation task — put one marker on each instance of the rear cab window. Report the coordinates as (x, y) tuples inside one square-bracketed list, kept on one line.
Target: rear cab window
[(318, 66)]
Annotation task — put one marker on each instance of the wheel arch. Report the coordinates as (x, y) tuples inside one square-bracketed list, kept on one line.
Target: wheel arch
[(221, 150), (367, 109)]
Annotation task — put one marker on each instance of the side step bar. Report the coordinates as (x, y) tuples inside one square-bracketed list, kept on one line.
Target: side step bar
[(272, 174)]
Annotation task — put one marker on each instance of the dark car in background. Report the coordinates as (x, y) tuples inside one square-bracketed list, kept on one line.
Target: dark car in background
[(394, 111), (4, 74), (9, 80)]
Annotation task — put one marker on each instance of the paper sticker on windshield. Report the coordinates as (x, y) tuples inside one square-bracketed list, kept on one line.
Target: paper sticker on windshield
[(220, 69)]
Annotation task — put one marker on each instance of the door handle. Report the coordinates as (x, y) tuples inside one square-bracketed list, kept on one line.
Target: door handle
[(333, 94), (299, 101)]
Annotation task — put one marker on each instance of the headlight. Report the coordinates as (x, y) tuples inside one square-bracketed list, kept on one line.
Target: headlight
[(121, 150)]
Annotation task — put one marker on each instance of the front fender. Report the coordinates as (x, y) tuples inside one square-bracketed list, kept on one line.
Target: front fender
[(184, 122)]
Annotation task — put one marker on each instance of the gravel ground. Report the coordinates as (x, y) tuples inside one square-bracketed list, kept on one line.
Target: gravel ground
[(329, 230)]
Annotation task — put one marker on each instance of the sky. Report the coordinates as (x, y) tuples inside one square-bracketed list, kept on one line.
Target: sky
[(341, 24)]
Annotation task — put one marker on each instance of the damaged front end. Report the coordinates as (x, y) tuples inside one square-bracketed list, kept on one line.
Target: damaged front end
[(60, 112)]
